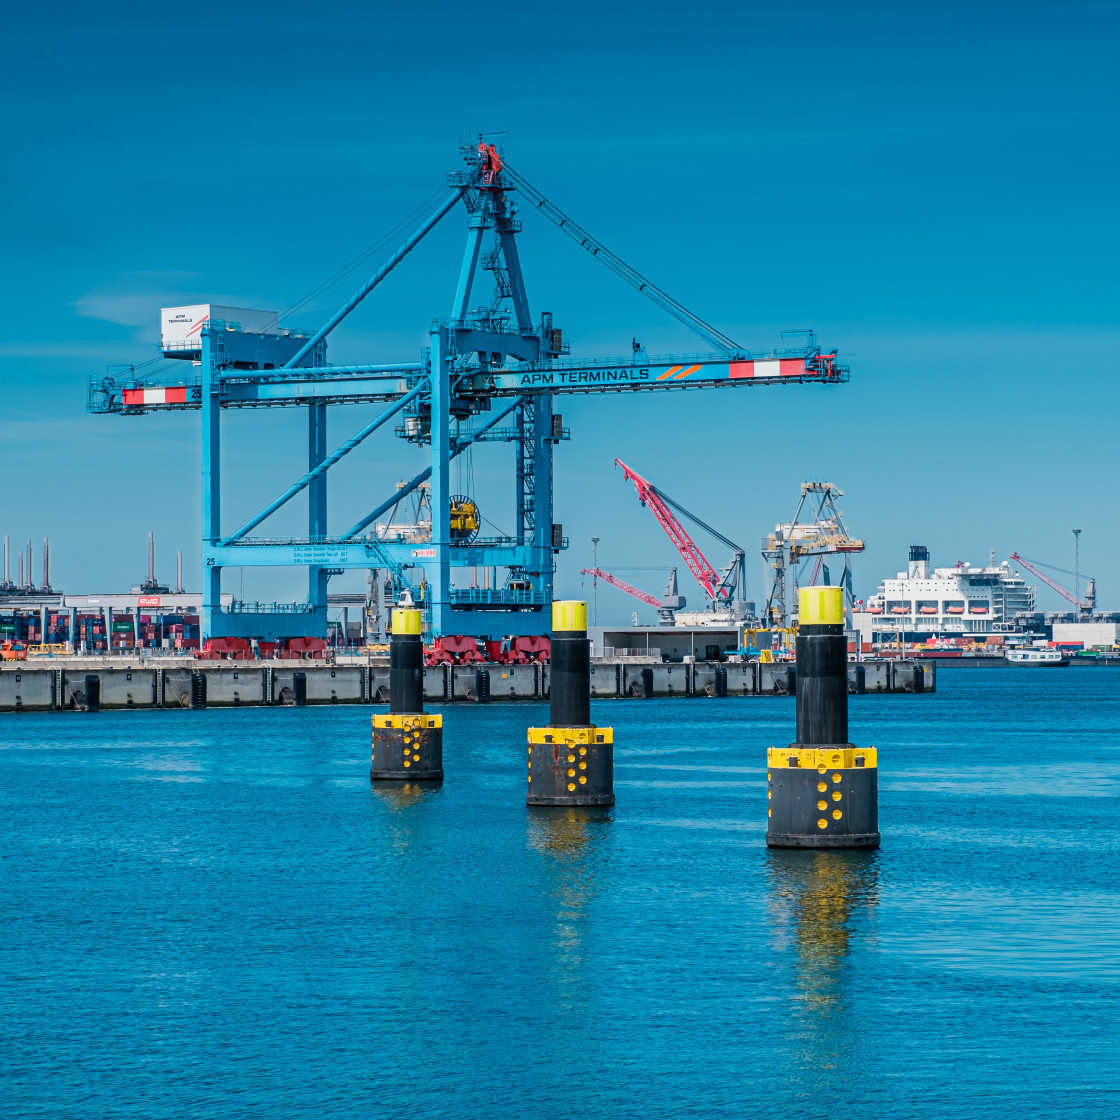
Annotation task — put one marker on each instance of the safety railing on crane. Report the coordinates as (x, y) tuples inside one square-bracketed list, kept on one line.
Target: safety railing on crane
[(676, 359), (239, 607), (479, 597), (299, 542)]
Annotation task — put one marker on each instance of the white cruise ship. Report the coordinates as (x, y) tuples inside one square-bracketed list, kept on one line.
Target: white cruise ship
[(961, 600)]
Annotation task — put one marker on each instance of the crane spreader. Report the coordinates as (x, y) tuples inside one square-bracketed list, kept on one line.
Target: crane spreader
[(487, 362)]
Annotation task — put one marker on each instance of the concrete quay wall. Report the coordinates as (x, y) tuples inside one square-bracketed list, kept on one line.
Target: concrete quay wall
[(25, 688)]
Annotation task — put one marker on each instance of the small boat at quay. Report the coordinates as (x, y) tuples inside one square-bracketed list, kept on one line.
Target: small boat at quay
[(1036, 658)]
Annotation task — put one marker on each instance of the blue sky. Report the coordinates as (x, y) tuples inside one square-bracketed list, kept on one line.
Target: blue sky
[(930, 187)]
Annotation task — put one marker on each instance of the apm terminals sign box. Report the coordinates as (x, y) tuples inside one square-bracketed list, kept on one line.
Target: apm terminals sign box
[(181, 326)]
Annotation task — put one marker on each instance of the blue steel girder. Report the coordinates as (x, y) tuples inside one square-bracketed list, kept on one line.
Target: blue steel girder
[(319, 463), (317, 500), (476, 226), (523, 347), (666, 373), (378, 276), (238, 389), (326, 390), (455, 610), (372, 384), (364, 552), (507, 229), (458, 445)]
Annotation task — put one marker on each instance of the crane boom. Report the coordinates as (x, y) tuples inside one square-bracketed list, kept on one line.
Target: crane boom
[(1090, 596), (622, 585), (690, 553)]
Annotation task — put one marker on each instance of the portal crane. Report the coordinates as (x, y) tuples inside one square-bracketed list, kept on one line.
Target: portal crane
[(795, 540), (724, 589), (487, 361), (817, 566), (1085, 607)]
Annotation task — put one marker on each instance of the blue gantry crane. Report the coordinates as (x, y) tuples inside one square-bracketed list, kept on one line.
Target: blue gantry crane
[(490, 374)]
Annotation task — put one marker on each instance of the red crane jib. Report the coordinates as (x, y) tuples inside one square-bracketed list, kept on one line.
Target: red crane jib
[(622, 585), (1063, 591), (697, 562)]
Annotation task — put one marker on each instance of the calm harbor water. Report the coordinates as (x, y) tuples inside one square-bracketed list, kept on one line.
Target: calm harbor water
[(211, 914)]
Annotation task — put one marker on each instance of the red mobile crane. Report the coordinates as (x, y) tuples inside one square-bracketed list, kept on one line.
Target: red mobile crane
[(722, 590), (1084, 606)]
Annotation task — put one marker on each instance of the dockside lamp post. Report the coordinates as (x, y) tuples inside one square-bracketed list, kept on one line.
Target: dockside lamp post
[(571, 762), (407, 742), (822, 791)]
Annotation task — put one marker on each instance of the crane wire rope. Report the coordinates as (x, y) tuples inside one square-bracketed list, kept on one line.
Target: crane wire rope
[(1052, 567), (696, 520), (363, 256), (617, 265), (715, 533), (497, 528)]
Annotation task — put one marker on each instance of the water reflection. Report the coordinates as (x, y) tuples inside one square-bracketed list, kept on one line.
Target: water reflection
[(402, 799), (568, 839), (820, 900)]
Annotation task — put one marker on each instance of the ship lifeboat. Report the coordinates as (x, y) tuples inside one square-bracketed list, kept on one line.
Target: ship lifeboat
[(954, 610), (874, 610), (929, 610), (977, 610), (899, 610)]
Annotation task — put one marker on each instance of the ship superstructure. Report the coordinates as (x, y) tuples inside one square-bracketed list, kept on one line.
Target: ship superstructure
[(957, 600)]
